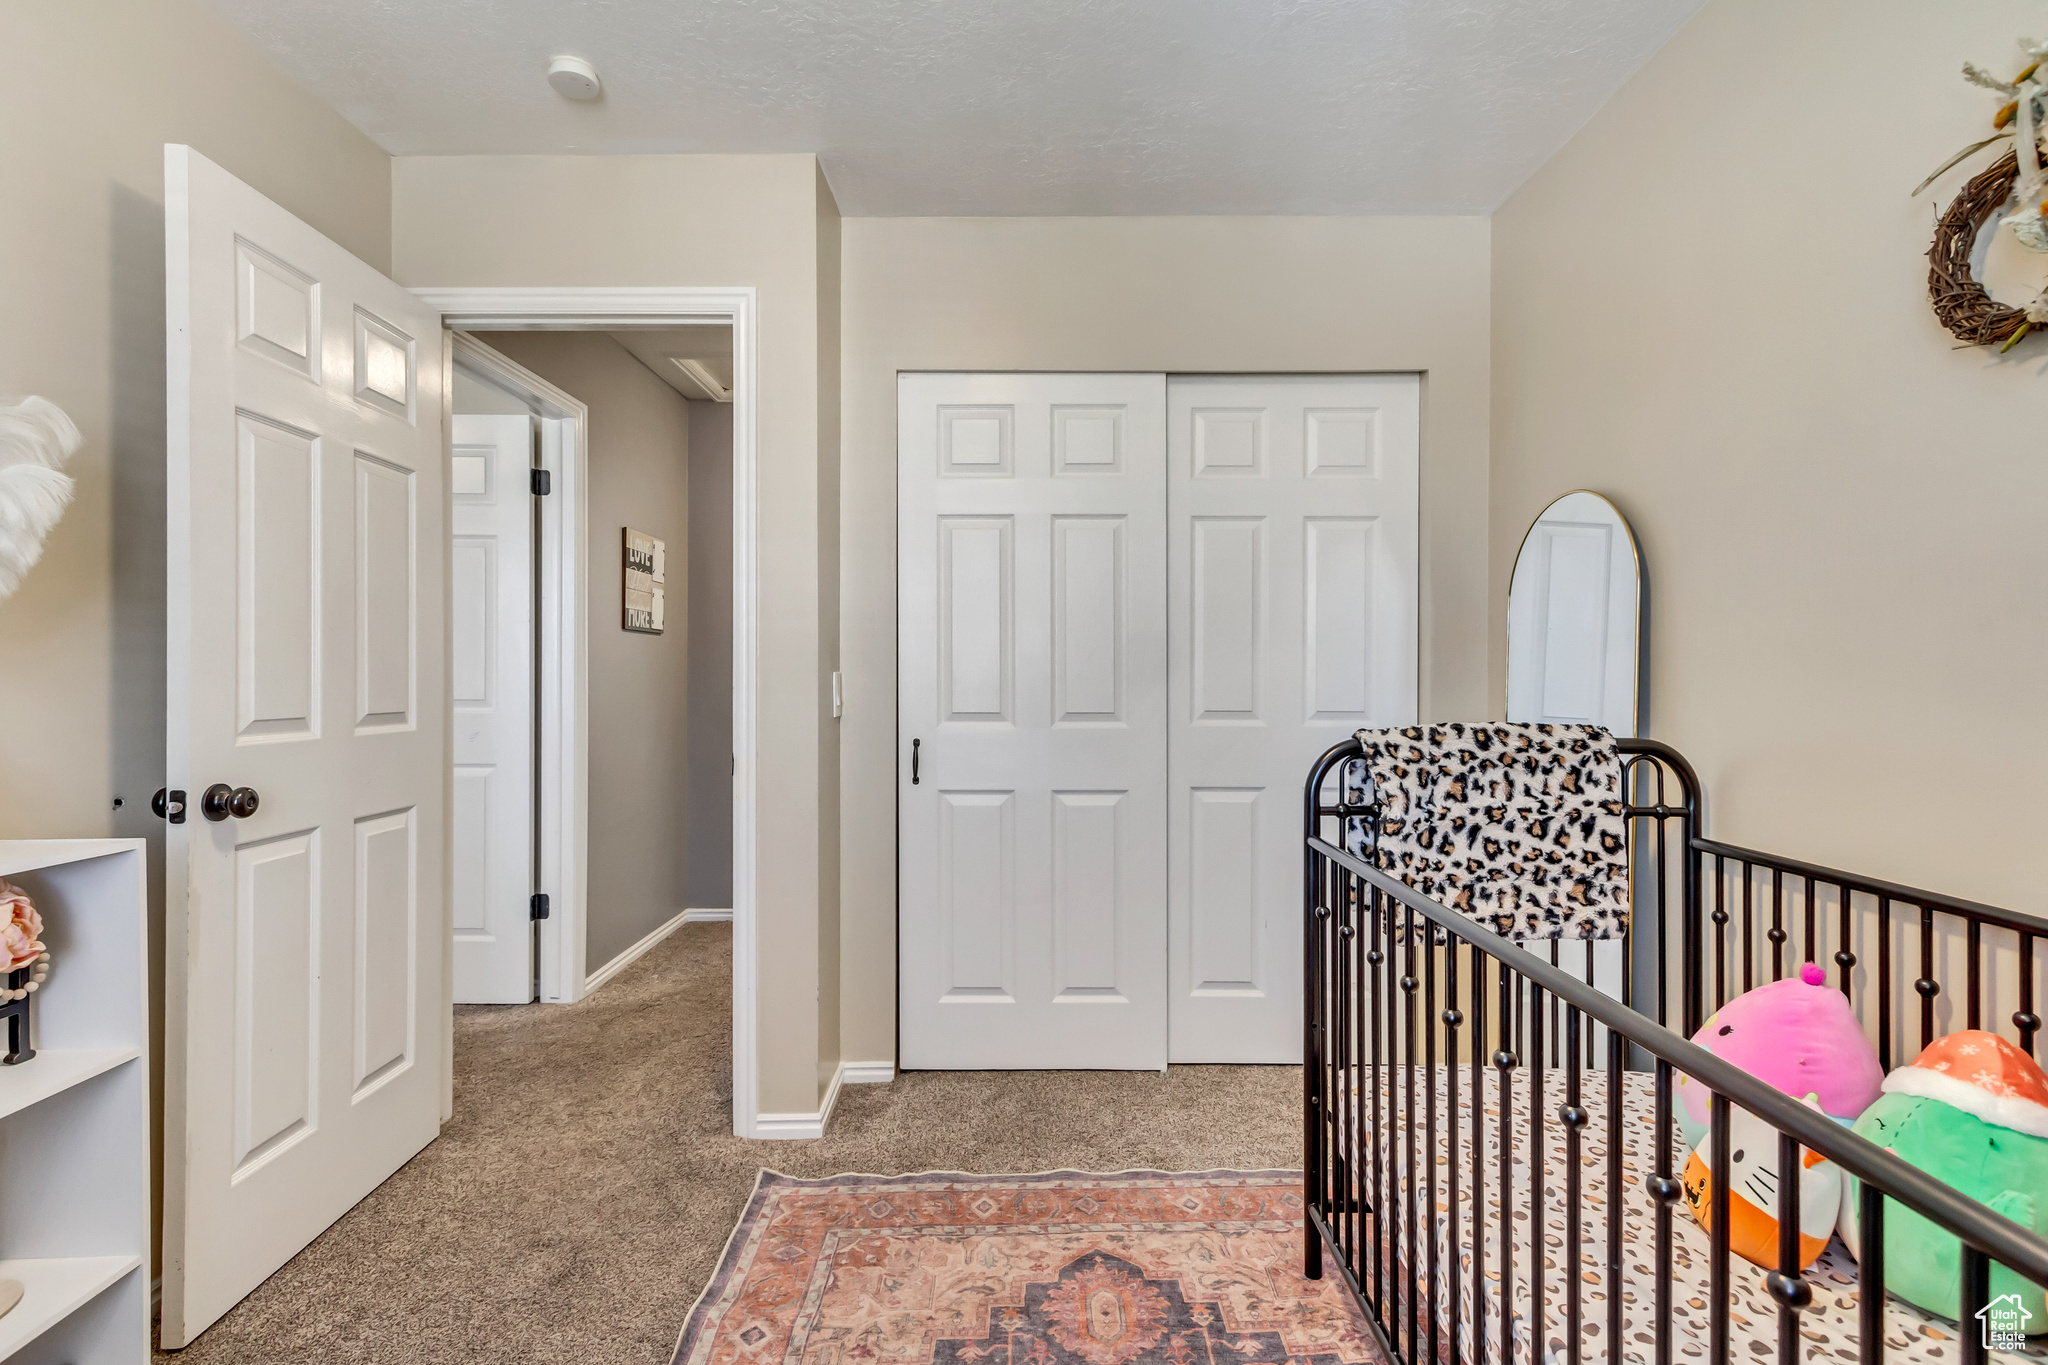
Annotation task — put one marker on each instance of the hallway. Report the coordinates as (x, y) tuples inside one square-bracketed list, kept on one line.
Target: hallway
[(573, 1208)]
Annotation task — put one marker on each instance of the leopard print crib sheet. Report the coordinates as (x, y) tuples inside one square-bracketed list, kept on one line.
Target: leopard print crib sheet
[(1518, 826), (1432, 1231)]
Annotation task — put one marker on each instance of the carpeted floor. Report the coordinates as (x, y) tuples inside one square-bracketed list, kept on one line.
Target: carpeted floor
[(580, 1197)]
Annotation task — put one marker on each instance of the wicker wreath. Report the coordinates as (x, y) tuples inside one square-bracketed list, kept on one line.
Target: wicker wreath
[(1959, 301)]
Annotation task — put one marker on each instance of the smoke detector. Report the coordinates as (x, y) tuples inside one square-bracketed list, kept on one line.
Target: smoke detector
[(574, 78)]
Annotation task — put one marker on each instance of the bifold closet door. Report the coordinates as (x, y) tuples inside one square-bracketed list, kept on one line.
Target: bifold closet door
[(1292, 507), (1031, 688)]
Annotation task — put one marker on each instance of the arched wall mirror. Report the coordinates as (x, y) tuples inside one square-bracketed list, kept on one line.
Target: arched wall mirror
[(1575, 610)]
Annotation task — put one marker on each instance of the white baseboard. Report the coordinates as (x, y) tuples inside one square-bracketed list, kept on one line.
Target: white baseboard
[(627, 958), (707, 916), (798, 1126)]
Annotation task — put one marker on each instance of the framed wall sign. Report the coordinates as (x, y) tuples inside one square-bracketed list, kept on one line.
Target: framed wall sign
[(646, 573)]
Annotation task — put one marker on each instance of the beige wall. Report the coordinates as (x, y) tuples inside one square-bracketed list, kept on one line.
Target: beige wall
[(1712, 305), (710, 883), (639, 476), (830, 456), (93, 91), (1162, 294), (715, 221)]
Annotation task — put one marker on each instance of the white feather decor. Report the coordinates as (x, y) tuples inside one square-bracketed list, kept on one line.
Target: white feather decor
[(35, 440)]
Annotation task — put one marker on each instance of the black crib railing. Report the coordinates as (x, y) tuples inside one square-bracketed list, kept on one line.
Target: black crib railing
[(1874, 933), (1442, 1060)]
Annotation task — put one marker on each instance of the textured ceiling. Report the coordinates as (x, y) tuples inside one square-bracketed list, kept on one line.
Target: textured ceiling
[(1003, 106)]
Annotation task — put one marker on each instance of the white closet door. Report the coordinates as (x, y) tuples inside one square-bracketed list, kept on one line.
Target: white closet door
[(1292, 563), (490, 671), (304, 905), (1032, 693)]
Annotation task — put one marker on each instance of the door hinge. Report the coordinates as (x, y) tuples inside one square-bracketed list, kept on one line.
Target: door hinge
[(543, 483), (539, 905)]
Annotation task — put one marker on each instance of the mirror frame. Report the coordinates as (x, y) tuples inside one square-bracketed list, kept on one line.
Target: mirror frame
[(1638, 670)]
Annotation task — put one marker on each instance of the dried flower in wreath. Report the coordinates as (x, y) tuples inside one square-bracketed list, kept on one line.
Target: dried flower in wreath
[(2018, 179)]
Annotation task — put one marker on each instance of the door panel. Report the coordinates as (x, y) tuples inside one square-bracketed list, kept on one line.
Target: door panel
[(386, 557), (386, 915), (1292, 605), (1223, 889), (976, 866), (1228, 586), (491, 662), (304, 474), (976, 578), (1084, 854), (1032, 674), (1337, 640), (277, 571), (1088, 613), (277, 993)]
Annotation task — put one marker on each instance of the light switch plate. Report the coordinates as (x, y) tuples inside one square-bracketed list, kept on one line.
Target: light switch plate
[(838, 697)]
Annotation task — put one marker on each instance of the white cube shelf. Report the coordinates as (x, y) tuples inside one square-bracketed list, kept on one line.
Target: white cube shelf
[(74, 1119)]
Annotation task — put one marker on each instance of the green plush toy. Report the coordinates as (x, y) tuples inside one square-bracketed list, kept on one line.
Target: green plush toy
[(1968, 1111)]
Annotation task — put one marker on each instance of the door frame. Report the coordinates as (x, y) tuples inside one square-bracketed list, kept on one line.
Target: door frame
[(548, 308), (562, 701)]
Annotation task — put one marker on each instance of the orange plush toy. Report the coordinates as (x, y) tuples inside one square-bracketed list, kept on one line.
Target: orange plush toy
[(1753, 1177)]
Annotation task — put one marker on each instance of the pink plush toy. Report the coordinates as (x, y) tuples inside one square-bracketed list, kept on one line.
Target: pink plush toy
[(1799, 1036)]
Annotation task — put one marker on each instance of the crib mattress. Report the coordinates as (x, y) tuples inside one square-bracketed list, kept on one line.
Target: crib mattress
[(1829, 1326)]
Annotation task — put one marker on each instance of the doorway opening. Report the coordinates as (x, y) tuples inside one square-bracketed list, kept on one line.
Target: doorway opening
[(635, 309), (589, 832)]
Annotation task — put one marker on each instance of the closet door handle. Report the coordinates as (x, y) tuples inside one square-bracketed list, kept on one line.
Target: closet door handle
[(913, 763)]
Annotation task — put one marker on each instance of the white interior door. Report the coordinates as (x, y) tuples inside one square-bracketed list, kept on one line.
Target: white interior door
[(304, 929), (1292, 506), (490, 672), (1032, 689)]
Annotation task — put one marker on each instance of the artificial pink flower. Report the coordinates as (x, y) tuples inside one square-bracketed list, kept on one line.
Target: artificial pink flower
[(21, 929)]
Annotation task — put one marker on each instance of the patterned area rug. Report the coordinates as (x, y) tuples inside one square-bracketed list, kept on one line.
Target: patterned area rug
[(1139, 1268)]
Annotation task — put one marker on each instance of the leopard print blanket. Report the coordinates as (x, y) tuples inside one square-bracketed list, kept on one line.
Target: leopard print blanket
[(1518, 826)]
